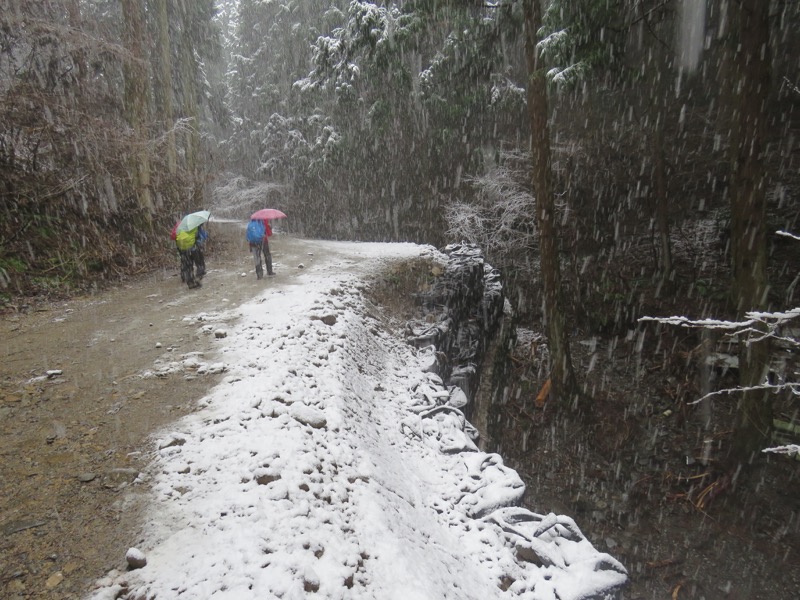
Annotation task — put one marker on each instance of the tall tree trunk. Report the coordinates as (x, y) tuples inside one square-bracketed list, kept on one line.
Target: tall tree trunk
[(78, 54), (188, 77), (662, 200), (658, 85), (163, 79), (562, 376), (137, 96), (748, 227)]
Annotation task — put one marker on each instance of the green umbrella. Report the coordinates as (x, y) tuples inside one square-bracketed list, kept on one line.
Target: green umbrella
[(194, 220)]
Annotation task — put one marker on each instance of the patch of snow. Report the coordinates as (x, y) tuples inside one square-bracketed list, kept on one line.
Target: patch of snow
[(332, 463)]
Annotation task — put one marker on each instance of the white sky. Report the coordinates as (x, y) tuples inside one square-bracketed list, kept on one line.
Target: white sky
[(317, 469)]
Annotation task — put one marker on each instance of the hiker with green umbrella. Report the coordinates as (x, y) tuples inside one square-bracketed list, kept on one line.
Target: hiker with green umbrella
[(189, 238)]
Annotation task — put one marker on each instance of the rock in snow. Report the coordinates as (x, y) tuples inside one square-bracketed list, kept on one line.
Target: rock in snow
[(308, 415), (135, 558)]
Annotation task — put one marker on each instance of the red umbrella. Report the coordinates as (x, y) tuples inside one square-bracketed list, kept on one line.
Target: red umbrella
[(267, 213)]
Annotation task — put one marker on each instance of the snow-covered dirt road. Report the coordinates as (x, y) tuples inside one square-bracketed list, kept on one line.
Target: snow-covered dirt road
[(315, 453)]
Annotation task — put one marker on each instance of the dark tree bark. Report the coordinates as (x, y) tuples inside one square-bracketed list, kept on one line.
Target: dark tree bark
[(78, 54), (189, 75), (658, 88), (163, 82), (662, 199), (137, 100), (562, 376), (748, 226)]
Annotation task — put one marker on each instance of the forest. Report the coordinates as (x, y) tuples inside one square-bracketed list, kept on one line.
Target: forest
[(631, 166)]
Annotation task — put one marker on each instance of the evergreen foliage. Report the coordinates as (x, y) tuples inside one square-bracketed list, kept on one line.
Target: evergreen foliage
[(583, 36)]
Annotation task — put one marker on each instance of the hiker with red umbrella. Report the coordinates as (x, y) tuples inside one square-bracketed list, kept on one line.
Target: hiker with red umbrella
[(258, 232)]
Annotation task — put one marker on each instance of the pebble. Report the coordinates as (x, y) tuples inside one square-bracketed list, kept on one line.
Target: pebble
[(71, 567), (136, 558), (174, 440), (120, 475), (54, 580), (277, 490), (308, 415), (216, 368)]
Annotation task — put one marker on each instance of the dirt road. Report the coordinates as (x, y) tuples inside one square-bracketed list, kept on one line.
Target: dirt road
[(76, 410)]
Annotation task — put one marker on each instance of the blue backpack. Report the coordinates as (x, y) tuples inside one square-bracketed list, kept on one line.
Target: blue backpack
[(255, 231)]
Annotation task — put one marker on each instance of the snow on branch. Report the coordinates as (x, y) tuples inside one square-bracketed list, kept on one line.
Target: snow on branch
[(554, 42), (569, 74), (792, 387), (791, 86), (500, 219), (698, 323), (789, 449), (789, 235), (756, 325), (235, 195)]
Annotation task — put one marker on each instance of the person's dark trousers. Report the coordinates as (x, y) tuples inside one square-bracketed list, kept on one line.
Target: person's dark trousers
[(199, 262), (187, 268), (258, 250), (268, 258), (180, 261)]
